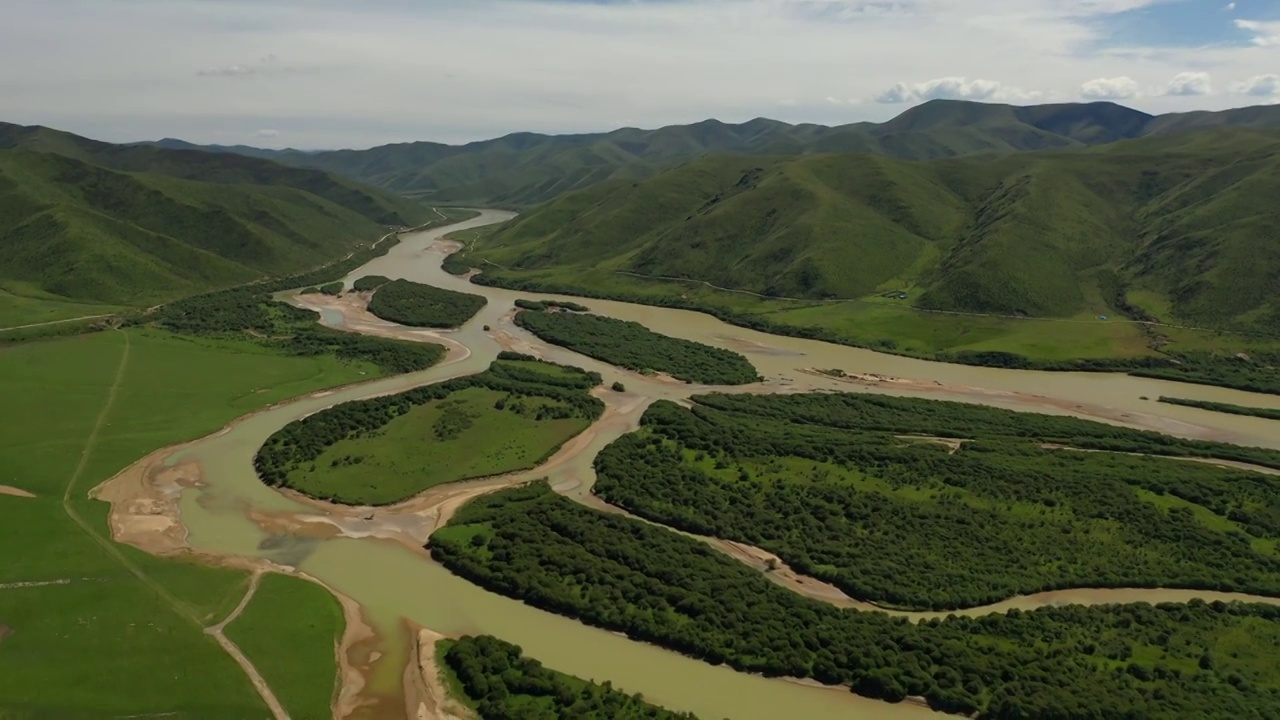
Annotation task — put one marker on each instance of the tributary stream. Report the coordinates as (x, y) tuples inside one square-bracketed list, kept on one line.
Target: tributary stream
[(392, 582)]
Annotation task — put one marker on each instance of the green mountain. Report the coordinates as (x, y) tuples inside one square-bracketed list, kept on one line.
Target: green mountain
[(133, 225), (527, 168), (1182, 227)]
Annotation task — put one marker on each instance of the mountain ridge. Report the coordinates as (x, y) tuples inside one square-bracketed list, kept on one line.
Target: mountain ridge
[(523, 169)]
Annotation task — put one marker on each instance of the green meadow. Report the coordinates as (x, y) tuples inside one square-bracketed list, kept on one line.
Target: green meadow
[(289, 619), (95, 628), (465, 435)]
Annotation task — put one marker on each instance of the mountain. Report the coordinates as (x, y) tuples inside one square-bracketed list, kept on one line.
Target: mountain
[(524, 169), (1181, 225), (132, 225)]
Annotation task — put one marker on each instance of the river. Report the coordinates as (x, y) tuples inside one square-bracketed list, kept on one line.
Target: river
[(392, 581)]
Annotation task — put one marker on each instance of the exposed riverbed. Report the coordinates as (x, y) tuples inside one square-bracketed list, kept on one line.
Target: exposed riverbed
[(374, 557)]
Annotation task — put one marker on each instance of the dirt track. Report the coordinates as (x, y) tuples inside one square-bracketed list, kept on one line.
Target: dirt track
[(15, 492)]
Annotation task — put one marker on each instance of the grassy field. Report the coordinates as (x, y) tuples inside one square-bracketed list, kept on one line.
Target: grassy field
[(459, 437), (289, 619), (21, 304), (119, 632)]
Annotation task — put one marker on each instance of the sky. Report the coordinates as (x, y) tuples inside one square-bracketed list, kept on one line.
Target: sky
[(335, 73)]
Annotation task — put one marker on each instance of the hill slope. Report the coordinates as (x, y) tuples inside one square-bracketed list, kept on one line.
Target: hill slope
[(1186, 224), (527, 168), (134, 225)]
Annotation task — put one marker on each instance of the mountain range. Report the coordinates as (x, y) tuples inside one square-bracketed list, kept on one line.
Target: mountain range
[(523, 169), (133, 224), (1184, 227)]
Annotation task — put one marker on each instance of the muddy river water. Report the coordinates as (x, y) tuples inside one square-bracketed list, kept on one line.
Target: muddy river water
[(392, 581)]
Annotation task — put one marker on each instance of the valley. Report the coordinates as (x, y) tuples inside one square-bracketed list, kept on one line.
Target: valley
[(374, 556)]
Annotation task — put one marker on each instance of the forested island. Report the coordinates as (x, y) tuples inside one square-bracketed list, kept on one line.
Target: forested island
[(249, 312), (386, 449), (1267, 413), (1203, 660), (503, 683), (633, 346), (411, 303), (854, 488)]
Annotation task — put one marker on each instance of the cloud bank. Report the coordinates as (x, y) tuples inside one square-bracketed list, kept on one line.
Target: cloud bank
[(325, 73)]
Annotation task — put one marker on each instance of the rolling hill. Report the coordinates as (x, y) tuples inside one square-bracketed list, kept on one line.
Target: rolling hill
[(524, 169), (130, 225), (1181, 227)]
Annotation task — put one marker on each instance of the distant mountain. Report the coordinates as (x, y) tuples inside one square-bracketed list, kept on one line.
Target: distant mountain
[(1183, 226), (137, 224), (524, 169)]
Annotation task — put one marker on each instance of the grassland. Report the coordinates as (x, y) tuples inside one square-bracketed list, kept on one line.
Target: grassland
[(470, 433), (411, 303), (500, 682), (828, 484), (1021, 254), (1211, 661), (635, 347), (288, 619), (76, 412), (384, 450)]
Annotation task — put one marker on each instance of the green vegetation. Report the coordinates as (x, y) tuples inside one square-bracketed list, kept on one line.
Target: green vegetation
[(369, 282), (503, 683), (1009, 260), (635, 347), (1225, 408), (132, 225), (287, 619), (333, 288), (528, 168), (384, 450), (619, 387), (77, 411), (248, 312), (544, 304), (411, 303), (1166, 661), (852, 490)]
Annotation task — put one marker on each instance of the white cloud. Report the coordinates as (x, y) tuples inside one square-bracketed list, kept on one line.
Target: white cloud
[(265, 64), (1116, 88), (1189, 83), (1230, 7), (1265, 34), (456, 70), (268, 134), (1260, 86), (949, 88)]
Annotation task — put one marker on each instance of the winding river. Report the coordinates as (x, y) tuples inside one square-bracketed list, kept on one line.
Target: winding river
[(230, 513)]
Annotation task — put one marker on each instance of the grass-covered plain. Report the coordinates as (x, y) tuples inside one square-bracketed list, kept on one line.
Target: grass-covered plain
[(411, 303), (286, 620), (1212, 661), (500, 682), (471, 433), (635, 347), (76, 412), (828, 483), (384, 450)]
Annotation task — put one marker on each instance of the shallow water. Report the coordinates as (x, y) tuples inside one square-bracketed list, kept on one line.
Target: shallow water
[(392, 582)]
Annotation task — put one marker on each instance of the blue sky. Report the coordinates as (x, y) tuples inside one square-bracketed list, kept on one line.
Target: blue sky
[(332, 73)]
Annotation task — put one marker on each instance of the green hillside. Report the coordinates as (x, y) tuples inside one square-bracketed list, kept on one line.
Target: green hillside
[(1181, 229), (524, 169), (83, 222)]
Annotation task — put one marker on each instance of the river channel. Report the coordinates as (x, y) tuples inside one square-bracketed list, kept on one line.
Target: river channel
[(392, 581)]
